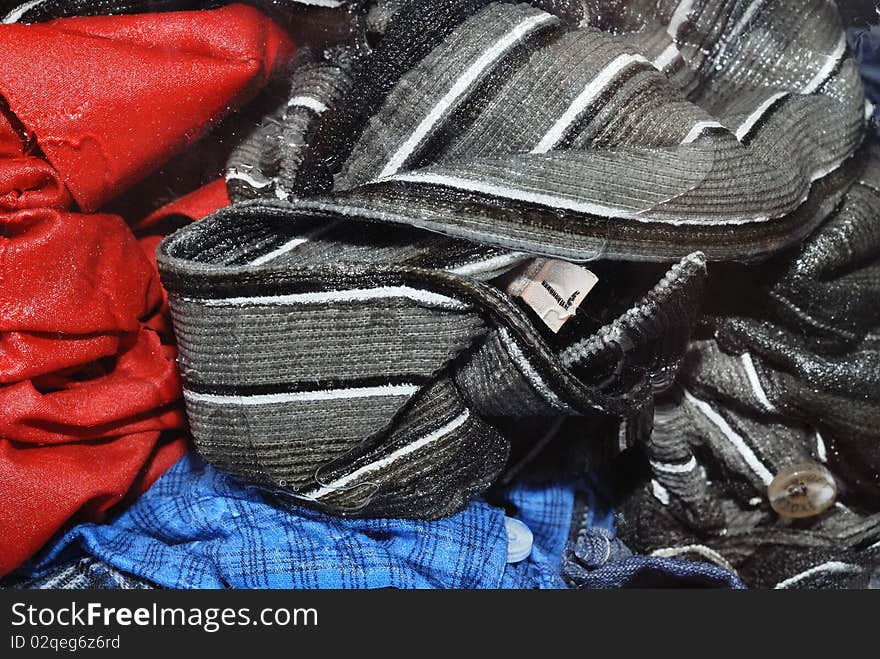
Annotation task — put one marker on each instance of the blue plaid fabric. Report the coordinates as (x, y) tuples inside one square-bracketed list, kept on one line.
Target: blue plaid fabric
[(199, 528), (547, 510)]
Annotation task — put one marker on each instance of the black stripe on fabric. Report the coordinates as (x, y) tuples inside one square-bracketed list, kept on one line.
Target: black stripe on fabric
[(756, 128), (675, 67), (290, 281), (305, 386), (715, 132), (483, 94), (414, 31), (689, 28), (318, 280)]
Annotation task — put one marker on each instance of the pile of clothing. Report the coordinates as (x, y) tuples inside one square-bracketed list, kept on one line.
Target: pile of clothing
[(487, 294)]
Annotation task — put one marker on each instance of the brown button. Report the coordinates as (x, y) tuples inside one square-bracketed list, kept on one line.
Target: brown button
[(802, 490)]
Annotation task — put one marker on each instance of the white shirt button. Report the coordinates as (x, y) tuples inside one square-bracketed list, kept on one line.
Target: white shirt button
[(519, 540)]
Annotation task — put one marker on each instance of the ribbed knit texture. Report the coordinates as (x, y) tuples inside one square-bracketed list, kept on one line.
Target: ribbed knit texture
[(787, 377), (722, 127), (342, 338)]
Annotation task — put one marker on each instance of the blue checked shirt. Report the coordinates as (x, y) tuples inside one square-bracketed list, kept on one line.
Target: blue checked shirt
[(199, 528)]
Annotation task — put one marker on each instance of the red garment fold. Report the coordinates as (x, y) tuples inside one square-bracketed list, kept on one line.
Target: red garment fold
[(28, 182), (90, 409), (193, 206), (132, 392), (109, 99), (43, 487), (73, 274)]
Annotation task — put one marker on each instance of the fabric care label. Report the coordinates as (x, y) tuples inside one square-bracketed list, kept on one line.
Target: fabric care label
[(553, 289)]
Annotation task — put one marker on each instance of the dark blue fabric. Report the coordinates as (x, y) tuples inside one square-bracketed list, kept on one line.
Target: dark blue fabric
[(598, 559), (864, 42), (199, 528)]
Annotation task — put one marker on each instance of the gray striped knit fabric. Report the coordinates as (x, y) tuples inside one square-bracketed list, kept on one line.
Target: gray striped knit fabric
[(359, 372), (342, 335), (724, 127), (794, 379)]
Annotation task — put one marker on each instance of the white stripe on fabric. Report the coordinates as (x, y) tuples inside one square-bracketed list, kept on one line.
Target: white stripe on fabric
[(738, 442), (825, 171), (821, 453), (286, 247), (835, 567), (679, 17), (553, 201), (660, 493), (702, 550), (21, 10), (755, 382), (471, 74), (490, 265), (299, 396), (528, 370), (236, 175), (731, 37), (582, 101), (667, 57), (746, 126), (427, 298), (698, 129), (293, 244), (825, 72), (675, 467), (309, 102), (392, 457), (331, 4)]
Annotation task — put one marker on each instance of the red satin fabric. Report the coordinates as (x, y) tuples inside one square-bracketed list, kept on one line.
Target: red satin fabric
[(110, 99), (90, 411)]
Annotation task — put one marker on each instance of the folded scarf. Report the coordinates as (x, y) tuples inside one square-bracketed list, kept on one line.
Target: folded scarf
[(789, 377), (387, 191), (199, 528), (88, 383), (514, 128)]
